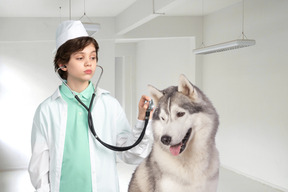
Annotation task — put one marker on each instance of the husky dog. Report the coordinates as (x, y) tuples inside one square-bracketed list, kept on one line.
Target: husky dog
[(184, 156)]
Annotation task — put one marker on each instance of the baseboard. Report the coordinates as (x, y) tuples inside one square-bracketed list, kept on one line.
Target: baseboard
[(14, 169), (254, 178)]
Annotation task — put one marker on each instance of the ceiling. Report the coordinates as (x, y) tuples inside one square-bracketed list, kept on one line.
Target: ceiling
[(102, 8)]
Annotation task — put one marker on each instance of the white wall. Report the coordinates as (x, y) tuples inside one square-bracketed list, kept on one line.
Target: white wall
[(26, 78), (161, 61), (126, 52), (107, 61), (249, 88)]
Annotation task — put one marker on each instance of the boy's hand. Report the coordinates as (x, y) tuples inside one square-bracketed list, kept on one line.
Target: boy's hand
[(143, 106)]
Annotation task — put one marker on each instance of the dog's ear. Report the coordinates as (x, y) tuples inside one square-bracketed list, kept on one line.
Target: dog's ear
[(155, 93), (187, 88)]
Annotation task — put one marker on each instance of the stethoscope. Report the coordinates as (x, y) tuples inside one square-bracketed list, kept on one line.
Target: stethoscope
[(90, 119)]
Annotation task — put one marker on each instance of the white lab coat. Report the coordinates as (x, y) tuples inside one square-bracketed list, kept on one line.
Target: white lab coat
[(111, 125)]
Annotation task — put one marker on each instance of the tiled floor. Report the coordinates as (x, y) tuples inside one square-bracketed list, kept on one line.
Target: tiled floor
[(18, 181)]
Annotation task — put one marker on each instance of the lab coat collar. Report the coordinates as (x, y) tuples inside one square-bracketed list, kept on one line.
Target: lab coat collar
[(85, 95), (57, 93)]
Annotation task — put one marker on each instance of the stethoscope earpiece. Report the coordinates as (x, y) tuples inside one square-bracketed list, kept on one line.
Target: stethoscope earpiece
[(62, 67)]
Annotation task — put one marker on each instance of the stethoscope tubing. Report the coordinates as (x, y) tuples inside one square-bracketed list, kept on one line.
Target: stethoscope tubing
[(111, 147), (90, 119)]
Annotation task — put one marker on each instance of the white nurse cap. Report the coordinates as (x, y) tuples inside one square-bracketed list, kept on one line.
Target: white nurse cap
[(69, 30)]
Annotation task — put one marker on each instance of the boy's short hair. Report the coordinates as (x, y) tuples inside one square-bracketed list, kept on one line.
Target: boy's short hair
[(68, 48)]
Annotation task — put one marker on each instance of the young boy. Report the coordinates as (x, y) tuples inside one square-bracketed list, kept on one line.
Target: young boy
[(65, 155)]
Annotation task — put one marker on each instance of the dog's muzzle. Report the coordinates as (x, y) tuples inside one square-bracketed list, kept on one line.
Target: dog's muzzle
[(178, 148)]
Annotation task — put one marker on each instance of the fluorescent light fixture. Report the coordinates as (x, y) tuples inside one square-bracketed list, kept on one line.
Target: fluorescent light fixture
[(91, 28), (236, 44)]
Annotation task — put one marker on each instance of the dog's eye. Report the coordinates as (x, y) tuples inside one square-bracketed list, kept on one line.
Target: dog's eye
[(180, 114), (163, 118)]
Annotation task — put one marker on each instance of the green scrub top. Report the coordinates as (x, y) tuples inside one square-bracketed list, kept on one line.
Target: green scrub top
[(76, 167)]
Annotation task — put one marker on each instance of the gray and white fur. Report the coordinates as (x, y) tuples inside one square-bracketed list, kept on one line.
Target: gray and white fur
[(184, 155)]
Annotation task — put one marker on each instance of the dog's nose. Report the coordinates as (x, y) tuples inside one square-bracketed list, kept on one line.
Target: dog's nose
[(166, 140)]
